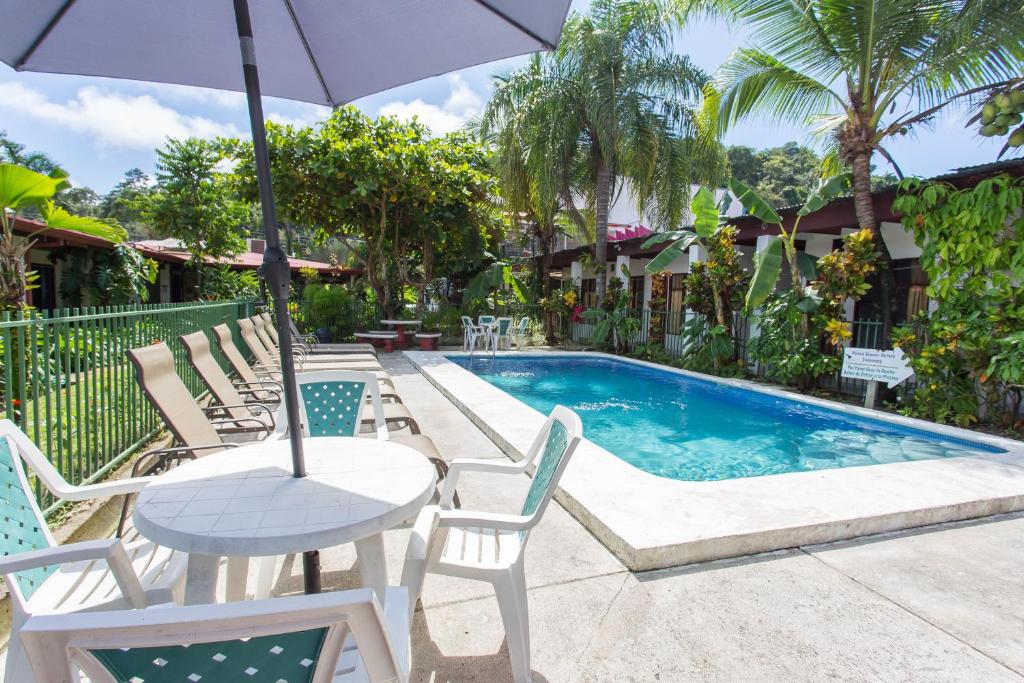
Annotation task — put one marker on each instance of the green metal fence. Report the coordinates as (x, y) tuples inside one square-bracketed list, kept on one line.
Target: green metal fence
[(69, 385)]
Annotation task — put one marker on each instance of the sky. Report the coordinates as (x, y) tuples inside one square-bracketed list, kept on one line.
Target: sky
[(99, 128)]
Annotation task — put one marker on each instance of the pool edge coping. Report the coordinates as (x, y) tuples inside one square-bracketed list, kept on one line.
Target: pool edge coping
[(636, 547)]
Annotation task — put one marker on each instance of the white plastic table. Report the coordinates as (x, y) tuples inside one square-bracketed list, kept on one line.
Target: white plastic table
[(244, 502)]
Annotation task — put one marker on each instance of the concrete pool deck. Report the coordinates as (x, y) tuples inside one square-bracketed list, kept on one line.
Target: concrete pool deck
[(652, 522)]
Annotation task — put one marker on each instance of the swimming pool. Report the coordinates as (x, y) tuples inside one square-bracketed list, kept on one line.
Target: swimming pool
[(690, 429)]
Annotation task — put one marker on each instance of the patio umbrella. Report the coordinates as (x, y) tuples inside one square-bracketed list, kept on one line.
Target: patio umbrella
[(320, 51)]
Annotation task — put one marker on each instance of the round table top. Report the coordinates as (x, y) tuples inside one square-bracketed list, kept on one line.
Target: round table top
[(401, 322), (245, 502)]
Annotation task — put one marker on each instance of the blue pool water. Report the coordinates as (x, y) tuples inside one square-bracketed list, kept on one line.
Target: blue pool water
[(685, 428)]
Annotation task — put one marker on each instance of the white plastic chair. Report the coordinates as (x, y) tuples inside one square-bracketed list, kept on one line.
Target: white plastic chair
[(42, 576), (519, 333), (490, 546), (501, 334), (340, 637), (471, 333)]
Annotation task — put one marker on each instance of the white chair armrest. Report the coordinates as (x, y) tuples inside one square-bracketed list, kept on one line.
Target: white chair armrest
[(110, 549), (487, 520), (458, 465), (104, 489)]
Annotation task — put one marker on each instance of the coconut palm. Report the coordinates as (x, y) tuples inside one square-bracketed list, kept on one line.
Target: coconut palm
[(21, 189), (862, 71), (613, 104)]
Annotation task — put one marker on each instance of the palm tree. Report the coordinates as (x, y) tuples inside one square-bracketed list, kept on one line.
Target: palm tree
[(862, 71), (613, 104)]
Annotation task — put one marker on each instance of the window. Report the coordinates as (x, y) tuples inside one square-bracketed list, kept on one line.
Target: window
[(588, 293), (636, 292), (676, 292)]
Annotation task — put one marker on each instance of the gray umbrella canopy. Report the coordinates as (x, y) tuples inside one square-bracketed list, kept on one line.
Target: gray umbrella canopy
[(322, 51)]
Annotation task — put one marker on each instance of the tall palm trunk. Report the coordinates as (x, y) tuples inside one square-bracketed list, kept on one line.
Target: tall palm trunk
[(603, 195), (865, 211), (545, 283)]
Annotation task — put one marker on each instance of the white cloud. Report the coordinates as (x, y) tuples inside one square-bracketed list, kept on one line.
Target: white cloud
[(113, 119), (307, 116), (186, 93), (462, 104)]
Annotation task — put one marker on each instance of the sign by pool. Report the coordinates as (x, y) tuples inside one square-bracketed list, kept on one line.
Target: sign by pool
[(889, 365)]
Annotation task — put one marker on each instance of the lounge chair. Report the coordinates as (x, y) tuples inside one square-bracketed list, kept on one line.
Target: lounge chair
[(42, 576), (269, 359), (490, 546), (229, 397), (263, 333), (314, 345), (344, 637), (396, 415)]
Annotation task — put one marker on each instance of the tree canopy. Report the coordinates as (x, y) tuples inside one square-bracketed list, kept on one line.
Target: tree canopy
[(403, 201)]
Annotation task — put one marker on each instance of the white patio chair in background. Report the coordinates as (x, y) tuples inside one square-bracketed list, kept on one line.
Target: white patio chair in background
[(471, 333), (490, 546), (341, 637), (42, 576), (501, 334), (520, 334)]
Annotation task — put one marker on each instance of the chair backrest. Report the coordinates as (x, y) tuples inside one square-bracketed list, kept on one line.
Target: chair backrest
[(523, 324), (261, 328), (259, 350), (268, 321), (297, 638), (154, 370), (197, 347), (551, 451), (331, 403), (467, 321), (22, 526), (503, 326), (226, 342), (485, 319)]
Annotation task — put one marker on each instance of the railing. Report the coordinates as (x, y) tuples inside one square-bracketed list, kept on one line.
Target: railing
[(69, 385)]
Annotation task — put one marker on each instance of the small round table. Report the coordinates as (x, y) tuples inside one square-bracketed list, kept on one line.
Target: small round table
[(244, 502), (400, 326)]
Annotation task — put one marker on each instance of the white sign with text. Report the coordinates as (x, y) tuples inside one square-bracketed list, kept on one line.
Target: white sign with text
[(889, 366)]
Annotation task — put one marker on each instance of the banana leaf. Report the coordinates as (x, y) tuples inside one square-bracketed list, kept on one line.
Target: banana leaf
[(767, 268), (659, 237), (705, 213), (807, 264), (671, 252), (752, 202), (825, 193)]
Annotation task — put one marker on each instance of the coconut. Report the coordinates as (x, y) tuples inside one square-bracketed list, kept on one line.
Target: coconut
[(1002, 130), (1017, 139), (1002, 100), (989, 130), (1013, 119), (989, 111), (1017, 98)]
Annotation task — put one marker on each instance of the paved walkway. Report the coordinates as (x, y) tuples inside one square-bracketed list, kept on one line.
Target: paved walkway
[(941, 604), (946, 603)]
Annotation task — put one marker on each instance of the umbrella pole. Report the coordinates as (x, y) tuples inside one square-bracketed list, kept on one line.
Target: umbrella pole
[(275, 263)]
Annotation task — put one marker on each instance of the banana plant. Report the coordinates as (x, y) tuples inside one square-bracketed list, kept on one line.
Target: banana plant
[(768, 262), (22, 189), (618, 323), (487, 283)]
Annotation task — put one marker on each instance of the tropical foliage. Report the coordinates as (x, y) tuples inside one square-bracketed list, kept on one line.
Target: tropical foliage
[(614, 107), (972, 242), (859, 72), (403, 202), (22, 189)]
